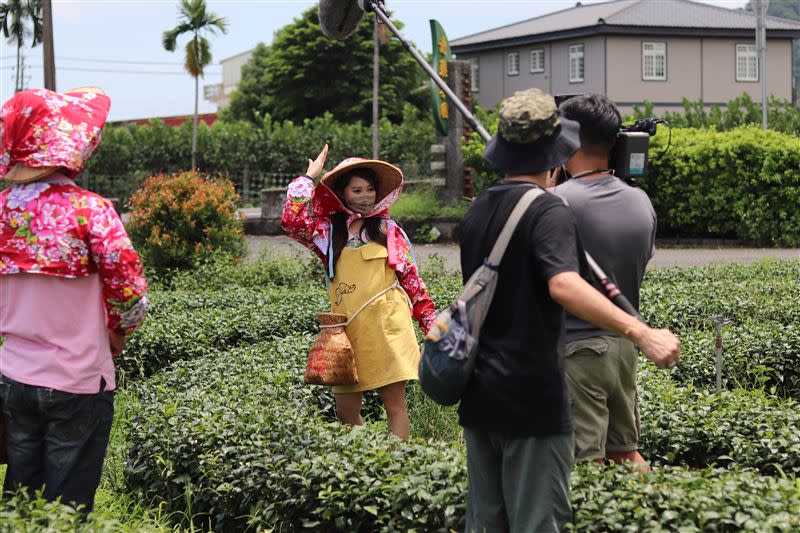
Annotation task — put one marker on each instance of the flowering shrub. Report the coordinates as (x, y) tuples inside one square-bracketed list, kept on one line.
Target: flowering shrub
[(177, 219)]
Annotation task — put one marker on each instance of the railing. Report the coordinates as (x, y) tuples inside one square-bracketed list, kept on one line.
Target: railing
[(248, 183)]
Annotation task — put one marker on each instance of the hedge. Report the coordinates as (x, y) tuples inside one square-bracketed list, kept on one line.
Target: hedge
[(740, 111), (266, 460), (739, 184), (281, 149)]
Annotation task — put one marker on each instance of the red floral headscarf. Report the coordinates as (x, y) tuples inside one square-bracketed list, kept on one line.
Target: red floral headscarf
[(42, 128)]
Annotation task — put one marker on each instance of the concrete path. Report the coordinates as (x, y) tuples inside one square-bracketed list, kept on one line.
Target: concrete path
[(665, 257)]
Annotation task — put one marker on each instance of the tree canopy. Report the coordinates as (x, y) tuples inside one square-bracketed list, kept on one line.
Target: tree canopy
[(304, 74), (788, 9), (14, 18)]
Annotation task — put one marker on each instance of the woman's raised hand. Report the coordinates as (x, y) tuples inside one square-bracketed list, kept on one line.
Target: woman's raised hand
[(315, 166)]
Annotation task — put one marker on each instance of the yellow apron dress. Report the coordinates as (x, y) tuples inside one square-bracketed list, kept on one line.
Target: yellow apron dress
[(382, 334)]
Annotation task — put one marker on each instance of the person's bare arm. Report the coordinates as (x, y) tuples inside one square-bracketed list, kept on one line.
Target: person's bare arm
[(116, 342), (584, 301)]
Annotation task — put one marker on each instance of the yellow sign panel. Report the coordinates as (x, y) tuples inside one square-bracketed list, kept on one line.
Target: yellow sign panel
[(441, 55), (443, 68)]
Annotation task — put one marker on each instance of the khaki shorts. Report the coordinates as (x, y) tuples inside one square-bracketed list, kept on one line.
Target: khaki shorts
[(601, 376)]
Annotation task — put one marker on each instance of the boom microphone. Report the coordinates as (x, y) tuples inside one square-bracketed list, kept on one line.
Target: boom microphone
[(339, 19)]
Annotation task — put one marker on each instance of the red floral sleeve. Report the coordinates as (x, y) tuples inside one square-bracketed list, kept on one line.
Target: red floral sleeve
[(297, 221), (402, 261), (121, 271)]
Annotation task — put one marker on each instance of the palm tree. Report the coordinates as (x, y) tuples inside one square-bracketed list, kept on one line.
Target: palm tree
[(195, 19), (14, 15)]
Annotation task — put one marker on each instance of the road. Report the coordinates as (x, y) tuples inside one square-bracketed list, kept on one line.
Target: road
[(665, 257)]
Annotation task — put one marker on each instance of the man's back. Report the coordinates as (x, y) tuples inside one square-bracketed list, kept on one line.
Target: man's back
[(518, 386), (617, 225)]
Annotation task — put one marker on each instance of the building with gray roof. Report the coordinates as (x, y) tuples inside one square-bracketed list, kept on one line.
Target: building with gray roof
[(633, 50)]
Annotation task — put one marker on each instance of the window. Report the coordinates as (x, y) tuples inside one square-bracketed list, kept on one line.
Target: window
[(513, 63), (746, 62), (475, 74), (576, 63), (654, 61), (537, 60)]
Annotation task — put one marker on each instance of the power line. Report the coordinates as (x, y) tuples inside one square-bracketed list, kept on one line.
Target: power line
[(123, 61), (110, 71)]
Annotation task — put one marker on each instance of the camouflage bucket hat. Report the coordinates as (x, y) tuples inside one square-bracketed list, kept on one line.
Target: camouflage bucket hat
[(531, 137)]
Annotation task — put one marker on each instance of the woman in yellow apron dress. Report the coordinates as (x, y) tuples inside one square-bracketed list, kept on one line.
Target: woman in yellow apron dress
[(373, 277)]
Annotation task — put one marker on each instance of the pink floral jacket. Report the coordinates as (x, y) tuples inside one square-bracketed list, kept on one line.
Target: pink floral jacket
[(306, 219), (53, 227)]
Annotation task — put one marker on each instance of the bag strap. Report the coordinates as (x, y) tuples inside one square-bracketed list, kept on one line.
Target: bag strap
[(499, 248), (395, 285)]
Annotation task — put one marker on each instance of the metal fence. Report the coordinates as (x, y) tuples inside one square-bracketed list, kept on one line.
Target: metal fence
[(121, 187)]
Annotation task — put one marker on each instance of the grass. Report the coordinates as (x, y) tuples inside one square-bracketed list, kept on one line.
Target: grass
[(113, 501), (423, 203), (430, 420)]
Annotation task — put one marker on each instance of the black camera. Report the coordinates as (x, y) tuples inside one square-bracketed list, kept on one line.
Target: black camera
[(629, 158)]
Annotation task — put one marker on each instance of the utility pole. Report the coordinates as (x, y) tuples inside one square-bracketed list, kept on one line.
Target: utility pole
[(47, 46), (760, 8), (376, 83), (22, 74)]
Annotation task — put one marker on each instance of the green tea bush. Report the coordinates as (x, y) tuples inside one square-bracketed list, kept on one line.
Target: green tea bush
[(266, 460), (755, 355), (271, 269), (692, 427), (761, 346), (221, 304), (183, 325), (20, 514), (238, 438), (677, 499), (179, 218), (687, 298)]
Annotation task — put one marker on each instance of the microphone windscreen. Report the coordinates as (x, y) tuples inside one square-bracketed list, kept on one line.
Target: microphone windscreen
[(339, 19)]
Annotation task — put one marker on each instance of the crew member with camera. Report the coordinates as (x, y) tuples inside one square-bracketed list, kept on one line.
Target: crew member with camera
[(515, 410), (617, 225)]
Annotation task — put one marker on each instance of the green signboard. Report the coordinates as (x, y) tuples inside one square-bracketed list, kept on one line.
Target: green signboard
[(441, 55)]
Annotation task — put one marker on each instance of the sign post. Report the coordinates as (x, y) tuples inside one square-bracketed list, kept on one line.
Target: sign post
[(441, 55)]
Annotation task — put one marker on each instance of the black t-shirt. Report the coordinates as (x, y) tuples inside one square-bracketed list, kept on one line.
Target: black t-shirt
[(518, 387)]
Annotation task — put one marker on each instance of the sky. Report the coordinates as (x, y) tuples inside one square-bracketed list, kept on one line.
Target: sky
[(116, 45)]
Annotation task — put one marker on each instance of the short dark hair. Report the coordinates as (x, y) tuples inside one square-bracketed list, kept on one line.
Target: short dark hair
[(599, 119)]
